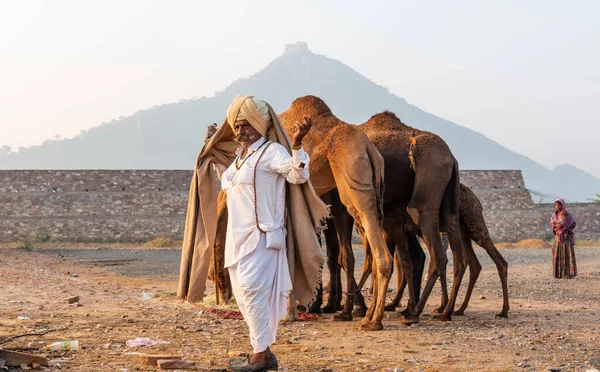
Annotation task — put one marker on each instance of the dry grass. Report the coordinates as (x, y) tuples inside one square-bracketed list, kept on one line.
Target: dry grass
[(587, 243), (162, 243)]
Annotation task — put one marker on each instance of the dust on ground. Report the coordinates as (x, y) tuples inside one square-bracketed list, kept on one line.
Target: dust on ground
[(128, 293)]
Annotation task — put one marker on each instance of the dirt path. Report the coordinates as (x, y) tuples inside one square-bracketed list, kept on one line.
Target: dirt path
[(552, 322)]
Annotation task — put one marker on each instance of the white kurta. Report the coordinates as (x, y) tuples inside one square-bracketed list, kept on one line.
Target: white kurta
[(257, 262)]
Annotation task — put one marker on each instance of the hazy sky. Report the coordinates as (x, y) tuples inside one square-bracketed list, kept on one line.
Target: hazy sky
[(524, 73)]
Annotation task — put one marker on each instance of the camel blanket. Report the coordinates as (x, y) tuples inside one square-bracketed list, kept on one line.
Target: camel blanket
[(305, 215)]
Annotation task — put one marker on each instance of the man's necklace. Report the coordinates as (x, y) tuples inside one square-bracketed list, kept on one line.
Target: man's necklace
[(239, 165)]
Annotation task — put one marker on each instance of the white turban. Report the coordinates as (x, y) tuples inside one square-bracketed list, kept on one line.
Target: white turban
[(252, 109)]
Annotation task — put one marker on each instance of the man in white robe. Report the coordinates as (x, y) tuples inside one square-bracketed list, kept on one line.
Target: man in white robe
[(255, 248)]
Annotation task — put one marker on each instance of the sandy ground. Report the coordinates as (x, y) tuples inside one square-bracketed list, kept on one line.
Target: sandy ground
[(127, 293)]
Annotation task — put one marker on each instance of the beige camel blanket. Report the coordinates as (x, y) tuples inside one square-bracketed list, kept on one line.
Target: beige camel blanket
[(305, 214)]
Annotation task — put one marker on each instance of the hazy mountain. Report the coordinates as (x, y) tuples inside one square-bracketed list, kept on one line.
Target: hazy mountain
[(170, 135)]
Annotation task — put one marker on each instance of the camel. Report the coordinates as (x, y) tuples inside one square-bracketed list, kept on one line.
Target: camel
[(473, 228), (422, 178), (342, 157)]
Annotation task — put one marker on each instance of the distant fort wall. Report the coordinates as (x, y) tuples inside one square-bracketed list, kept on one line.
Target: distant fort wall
[(141, 205)]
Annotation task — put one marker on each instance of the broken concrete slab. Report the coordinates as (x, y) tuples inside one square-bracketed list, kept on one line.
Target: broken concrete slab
[(15, 358)]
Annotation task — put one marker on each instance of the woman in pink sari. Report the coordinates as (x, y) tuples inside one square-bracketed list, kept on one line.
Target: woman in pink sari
[(562, 225)]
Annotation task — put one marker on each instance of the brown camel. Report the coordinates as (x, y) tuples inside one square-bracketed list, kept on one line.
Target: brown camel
[(421, 177), (342, 157), (473, 228)]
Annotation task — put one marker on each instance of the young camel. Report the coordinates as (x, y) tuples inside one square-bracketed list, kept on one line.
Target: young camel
[(473, 228), (342, 157)]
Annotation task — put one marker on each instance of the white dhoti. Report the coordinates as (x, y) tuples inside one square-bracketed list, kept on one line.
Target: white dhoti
[(261, 284)]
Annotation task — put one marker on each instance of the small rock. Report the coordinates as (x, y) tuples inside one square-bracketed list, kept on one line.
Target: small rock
[(523, 364), (320, 347), (552, 369), (482, 297), (73, 299), (304, 349)]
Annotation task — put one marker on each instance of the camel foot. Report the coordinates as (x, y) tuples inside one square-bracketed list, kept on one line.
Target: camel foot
[(410, 319), (315, 310), (342, 317), (359, 312), (442, 318), (364, 321), (404, 312), (459, 312), (291, 317), (330, 309), (371, 326), (439, 310), (391, 307), (502, 315)]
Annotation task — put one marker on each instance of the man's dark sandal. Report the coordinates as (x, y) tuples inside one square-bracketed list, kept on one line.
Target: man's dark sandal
[(270, 365)]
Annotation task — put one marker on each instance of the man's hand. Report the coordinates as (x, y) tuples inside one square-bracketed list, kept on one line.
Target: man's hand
[(302, 129), (210, 131)]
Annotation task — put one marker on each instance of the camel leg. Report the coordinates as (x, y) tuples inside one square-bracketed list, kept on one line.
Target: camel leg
[(483, 239), (382, 264), (417, 259), (334, 296), (459, 262), (444, 297), (400, 285), (344, 223), (315, 307), (474, 268), (429, 224), (396, 227)]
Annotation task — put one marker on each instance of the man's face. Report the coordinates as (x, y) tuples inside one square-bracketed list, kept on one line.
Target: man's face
[(558, 207), (245, 133)]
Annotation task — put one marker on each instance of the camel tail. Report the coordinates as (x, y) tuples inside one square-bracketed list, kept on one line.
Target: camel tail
[(451, 199), (377, 166)]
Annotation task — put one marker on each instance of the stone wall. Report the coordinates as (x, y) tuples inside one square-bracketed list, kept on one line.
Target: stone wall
[(510, 213), (141, 205), (93, 205)]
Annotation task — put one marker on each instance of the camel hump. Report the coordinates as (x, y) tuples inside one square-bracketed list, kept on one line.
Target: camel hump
[(309, 106), (386, 120)]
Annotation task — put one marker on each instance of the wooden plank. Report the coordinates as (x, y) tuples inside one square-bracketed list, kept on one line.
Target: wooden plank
[(175, 364), (15, 359), (152, 359)]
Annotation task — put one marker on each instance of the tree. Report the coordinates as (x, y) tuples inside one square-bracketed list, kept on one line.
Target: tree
[(596, 200)]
